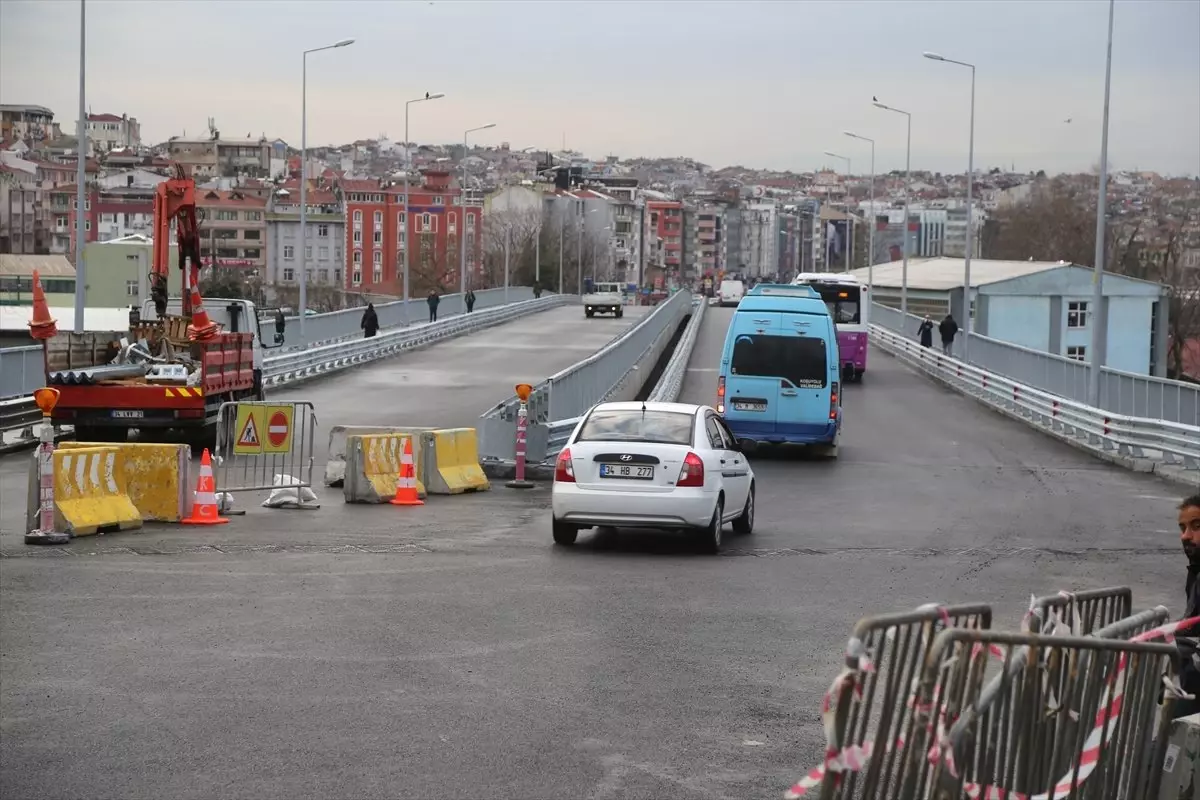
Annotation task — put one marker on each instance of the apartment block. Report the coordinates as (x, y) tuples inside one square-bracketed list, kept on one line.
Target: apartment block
[(626, 245), (207, 158), (704, 246), (663, 234), (108, 132), (322, 251), (234, 230), (35, 123)]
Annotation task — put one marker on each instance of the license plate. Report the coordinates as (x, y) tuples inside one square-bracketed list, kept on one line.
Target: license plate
[(626, 471), (123, 414), (737, 406)]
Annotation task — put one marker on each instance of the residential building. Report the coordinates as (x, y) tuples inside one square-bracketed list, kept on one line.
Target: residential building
[(753, 233), (380, 225), (206, 158), (121, 178), (35, 123), (791, 238), (118, 271), (663, 234), (108, 214), (323, 253), (234, 229), (21, 225), (1044, 306), (107, 132), (704, 244), (16, 279), (627, 247)]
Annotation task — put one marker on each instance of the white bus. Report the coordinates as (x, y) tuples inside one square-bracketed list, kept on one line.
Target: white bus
[(846, 298)]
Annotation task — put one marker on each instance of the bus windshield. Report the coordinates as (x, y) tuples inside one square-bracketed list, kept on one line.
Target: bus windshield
[(842, 301)]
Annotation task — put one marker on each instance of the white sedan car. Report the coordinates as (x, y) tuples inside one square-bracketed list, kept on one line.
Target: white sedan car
[(652, 465)]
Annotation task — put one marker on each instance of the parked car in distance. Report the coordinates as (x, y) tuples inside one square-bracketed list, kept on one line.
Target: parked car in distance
[(652, 465)]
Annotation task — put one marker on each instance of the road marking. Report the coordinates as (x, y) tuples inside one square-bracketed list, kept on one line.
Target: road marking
[(1156, 497), (703, 369)]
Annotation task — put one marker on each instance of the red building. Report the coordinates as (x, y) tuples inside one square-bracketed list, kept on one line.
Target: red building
[(664, 234), (378, 229), (109, 214)]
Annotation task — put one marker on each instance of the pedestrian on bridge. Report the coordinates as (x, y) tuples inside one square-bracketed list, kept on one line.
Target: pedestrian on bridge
[(925, 332), (469, 299), (948, 329), (433, 301), (1189, 671), (370, 321)]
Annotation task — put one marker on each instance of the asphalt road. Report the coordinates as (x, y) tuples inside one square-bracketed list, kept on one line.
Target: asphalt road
[(468, 657)]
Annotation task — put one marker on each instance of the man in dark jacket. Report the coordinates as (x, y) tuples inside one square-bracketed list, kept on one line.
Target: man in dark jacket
[(1189, 671), (433, 301), (948, 329), (370, 321), (925, 332), (469, 298)]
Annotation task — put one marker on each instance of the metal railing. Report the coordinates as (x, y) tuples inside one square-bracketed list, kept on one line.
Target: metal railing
[(22, 370), (1093, 428), (291, 367), (1120, 392), (557, 402)]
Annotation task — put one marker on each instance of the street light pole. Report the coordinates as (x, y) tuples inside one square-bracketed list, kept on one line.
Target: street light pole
[(849, 216), (907, 181), (970, 205), (1099, 316), (304, 179), (81, 178), (462, 271), (871, 221), (562, 227), (407, 170)]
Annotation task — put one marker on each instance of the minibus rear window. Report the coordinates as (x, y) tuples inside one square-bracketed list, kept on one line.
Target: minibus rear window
[(798, 359)]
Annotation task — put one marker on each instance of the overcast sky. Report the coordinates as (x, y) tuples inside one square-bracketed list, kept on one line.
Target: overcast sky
[(764, 84)]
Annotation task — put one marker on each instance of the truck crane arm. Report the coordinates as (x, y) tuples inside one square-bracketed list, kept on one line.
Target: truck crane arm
[(175, 200)]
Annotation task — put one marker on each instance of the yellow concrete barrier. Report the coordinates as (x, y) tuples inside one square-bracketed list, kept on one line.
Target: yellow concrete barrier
[(373, 466), (453, 465), (90, 491), (156, 478)]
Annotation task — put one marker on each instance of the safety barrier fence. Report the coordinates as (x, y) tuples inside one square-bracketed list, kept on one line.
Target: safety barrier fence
[(557, 403), (290, 367), (935, 705), (1100, 430), (1121, 392), (21, 370)]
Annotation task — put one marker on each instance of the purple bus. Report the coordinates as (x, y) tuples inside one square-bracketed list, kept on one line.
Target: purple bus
[(846, 298)]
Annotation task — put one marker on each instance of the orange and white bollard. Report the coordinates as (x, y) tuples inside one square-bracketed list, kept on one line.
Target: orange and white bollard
[(46, 399), (518, 481)]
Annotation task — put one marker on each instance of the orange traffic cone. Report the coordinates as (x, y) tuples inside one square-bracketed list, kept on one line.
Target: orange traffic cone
[(42, 326), (202, 328), (406, 485), (204, 509)]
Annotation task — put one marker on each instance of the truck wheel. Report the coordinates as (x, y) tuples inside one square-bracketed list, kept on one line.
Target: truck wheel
[(620, 313)]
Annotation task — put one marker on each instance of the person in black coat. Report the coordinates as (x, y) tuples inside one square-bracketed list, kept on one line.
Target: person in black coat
[(433, 301), (1189, 658), (948, 329), (925, 332), (370, 321), (470, 300)]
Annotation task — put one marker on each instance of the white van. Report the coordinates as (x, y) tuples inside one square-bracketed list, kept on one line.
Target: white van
[(731, 292)]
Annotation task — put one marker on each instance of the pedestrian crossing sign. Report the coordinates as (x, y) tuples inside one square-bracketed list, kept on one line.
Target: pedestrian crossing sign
[(249, 427)]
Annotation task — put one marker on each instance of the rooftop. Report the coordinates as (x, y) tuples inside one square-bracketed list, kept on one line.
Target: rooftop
[(232, 199), (943, 274), (20, 266)]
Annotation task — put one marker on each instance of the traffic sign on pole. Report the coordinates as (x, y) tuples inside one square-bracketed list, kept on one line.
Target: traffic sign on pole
[(279, 429)]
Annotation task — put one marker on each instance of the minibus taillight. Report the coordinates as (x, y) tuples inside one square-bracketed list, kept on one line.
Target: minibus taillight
[(721, 395), (833, 400)]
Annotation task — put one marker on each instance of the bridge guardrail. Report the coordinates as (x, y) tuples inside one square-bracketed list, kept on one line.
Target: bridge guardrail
[(292, 367), (1121, 392), (1096, 429), (22, 370), (565, 396)]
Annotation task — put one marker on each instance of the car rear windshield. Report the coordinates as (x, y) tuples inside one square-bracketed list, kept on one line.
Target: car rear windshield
[(661, 427), (798, 359)]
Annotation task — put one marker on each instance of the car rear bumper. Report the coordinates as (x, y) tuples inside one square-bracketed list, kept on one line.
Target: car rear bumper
[(680, 508)]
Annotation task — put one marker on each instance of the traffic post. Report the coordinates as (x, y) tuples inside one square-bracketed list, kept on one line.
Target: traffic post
[(46, 399), (518, 481)]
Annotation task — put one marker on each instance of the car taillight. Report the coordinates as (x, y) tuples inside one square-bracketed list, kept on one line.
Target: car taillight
[(564, 471), (833, 400), (721, 395), (692, 473)]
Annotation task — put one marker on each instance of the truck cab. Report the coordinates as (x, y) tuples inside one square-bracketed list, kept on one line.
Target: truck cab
[(604, 298)]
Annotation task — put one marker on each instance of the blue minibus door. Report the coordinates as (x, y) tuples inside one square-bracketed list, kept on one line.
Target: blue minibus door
[(752, 397), (804, 385)]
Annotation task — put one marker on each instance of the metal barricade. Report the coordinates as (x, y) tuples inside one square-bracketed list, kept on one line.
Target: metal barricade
[(1065, 717), (868, 718), (265, 445), (1083, 612)]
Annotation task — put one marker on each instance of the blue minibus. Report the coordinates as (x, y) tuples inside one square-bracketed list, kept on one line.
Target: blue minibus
[(780, 370)]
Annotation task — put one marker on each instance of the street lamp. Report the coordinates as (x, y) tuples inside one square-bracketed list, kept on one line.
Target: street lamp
[(849, 216), (462, 272), (81, 180), (907, 179), (579, 247), (407, 169), (871, 221), (1099, 314), (304, 176), (970, 210)]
